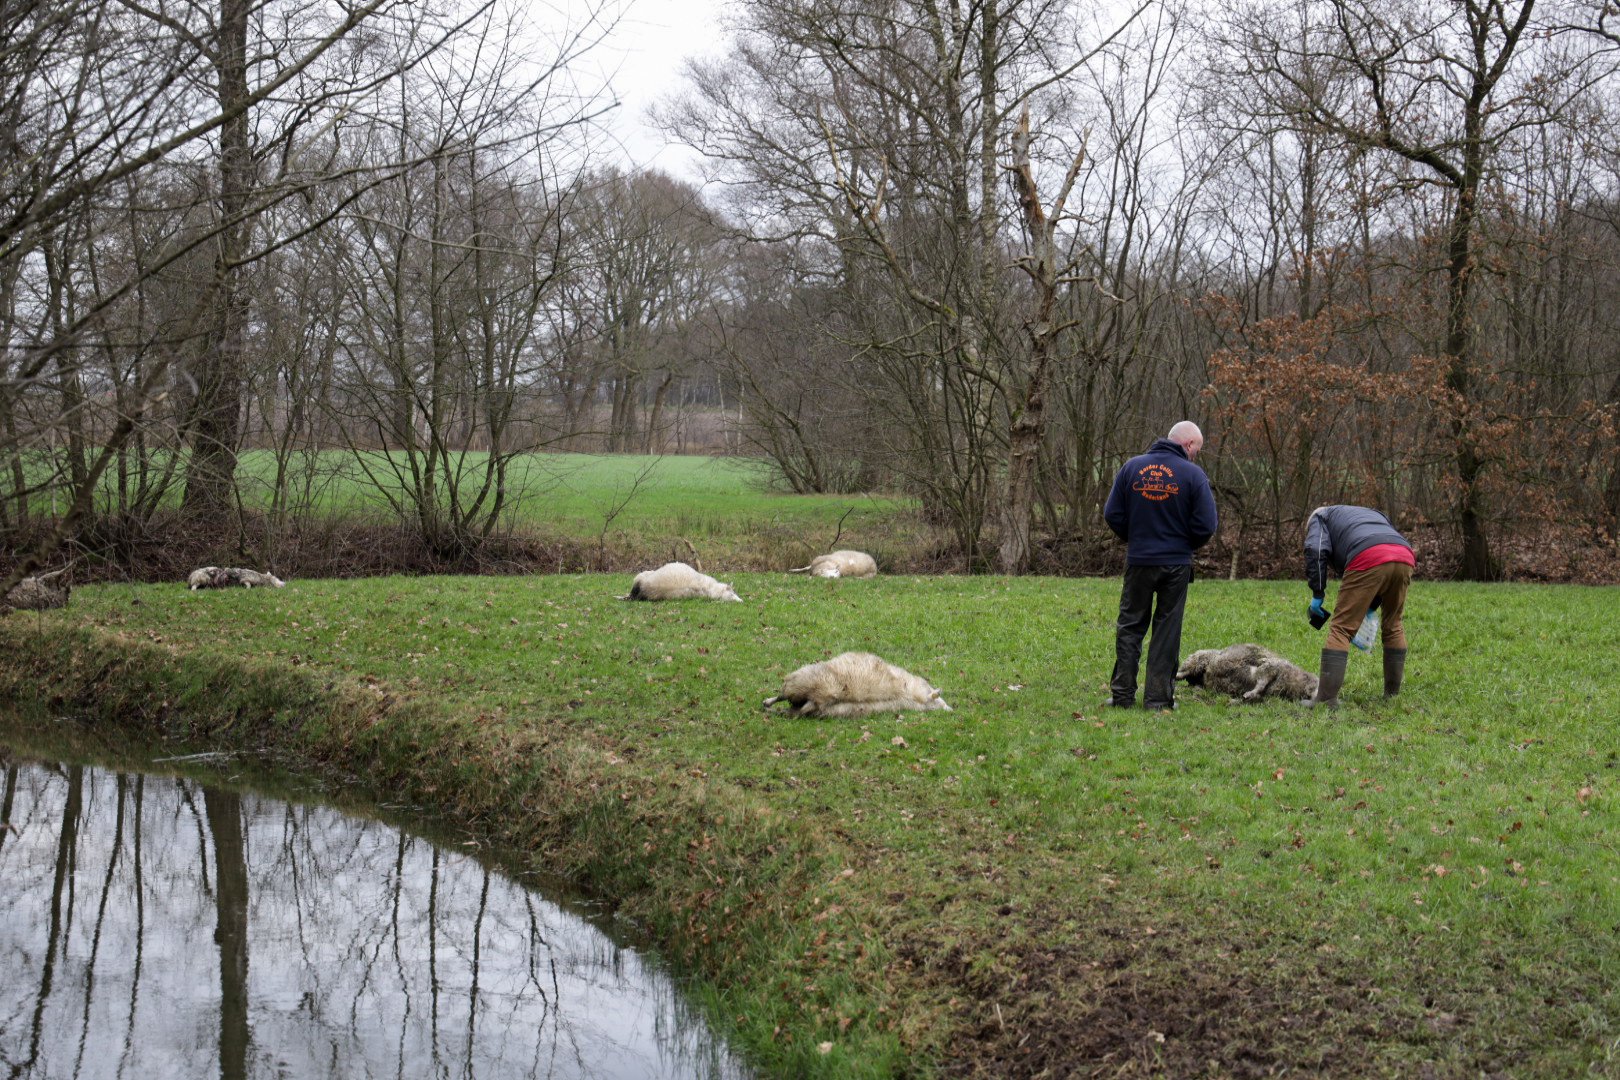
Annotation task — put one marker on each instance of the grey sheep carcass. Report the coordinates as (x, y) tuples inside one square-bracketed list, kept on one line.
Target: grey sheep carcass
[(39, 593), (229, 577), (1247, 673)]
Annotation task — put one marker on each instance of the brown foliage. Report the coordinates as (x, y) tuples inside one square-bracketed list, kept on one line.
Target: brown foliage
[(1305, 417)]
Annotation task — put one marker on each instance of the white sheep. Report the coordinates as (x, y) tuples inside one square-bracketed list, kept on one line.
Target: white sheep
[(853, 684), (855, 564), (225, 577), (677, 581)]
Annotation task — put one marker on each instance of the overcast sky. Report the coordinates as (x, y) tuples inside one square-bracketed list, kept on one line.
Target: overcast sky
[(642, 58)]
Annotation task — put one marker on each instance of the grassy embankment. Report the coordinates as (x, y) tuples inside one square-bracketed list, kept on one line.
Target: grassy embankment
[(1027, 883)]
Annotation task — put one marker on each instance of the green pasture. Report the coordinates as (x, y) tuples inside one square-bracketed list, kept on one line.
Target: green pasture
[(575, 494), (1430, 883), (725, 507)]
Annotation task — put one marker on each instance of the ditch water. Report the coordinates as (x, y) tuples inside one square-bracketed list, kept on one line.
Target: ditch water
[(157, 925)]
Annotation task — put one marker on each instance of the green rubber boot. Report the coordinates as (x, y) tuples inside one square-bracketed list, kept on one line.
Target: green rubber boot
[(1331, 679), (1394, 671)]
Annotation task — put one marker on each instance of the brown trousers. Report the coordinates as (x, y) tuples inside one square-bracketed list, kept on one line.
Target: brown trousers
[(1387, 582)]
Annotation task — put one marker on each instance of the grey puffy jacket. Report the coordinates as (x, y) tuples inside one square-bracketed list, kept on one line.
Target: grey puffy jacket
[(1335, 535)]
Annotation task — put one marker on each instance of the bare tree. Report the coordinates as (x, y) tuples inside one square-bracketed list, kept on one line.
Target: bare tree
[(1441, 89), (98, 97), (797, 406), (117, 129), (644, 249), (1046, 275), (880, 133), (452, 270)]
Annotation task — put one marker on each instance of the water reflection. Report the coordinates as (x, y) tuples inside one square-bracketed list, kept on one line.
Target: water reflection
[(151, 926)]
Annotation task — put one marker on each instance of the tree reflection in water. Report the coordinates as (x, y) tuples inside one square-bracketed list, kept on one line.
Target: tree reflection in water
[(150, 926)]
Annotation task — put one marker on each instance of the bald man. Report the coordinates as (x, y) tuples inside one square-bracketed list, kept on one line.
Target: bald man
[(1162, 507)]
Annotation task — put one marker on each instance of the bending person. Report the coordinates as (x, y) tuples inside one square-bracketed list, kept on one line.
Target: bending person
[(1375, 564)]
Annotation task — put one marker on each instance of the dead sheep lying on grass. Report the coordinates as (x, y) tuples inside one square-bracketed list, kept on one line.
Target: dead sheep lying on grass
[(854, 684), (228, 577), (677, 581), (855, 564), (1247, 673), (39, 593)]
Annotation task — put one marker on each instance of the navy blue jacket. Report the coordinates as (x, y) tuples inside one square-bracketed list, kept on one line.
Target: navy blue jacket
[(1161, 506), (1335, 535)]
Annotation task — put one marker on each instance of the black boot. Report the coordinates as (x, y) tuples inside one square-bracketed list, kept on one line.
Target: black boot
[(1331, 679), (1394, 671)]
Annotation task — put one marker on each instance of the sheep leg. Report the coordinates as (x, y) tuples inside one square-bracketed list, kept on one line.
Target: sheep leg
[(1264, 677)]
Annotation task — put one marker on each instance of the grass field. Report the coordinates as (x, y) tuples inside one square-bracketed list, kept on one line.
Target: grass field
[(725, 507), (1428, 886)]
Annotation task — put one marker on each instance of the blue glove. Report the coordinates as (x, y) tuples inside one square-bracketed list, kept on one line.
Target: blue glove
[(1318, 614)]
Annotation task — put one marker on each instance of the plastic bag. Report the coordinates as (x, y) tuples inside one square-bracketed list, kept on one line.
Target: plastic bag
[(1367, 633)]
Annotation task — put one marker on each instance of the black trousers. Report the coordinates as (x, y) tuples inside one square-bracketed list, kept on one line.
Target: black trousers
[(1156, 595)]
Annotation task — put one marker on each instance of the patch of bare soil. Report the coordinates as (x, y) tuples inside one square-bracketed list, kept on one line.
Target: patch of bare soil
[(1160, 1002)]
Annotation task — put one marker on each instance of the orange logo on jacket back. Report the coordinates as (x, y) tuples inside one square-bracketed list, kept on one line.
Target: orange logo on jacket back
[(1156, 482)]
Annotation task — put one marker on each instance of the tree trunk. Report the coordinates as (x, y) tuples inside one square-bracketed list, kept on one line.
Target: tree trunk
[(1028, 429), (1023, 454), (216, 434), (1611, 489), (1477, 563), (223, 810), (656, 417), (622, 422)]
